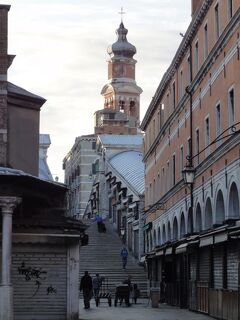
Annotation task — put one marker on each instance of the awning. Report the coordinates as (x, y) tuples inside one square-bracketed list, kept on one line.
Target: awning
[(207, 241), (182, 248), (168, 251), (160, 253), (222, 237)]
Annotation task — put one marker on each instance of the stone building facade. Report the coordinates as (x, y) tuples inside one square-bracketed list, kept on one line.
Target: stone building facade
[(192, 124), (78, 174)]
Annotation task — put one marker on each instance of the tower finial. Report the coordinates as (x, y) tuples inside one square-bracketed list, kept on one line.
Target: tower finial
[(121, 13)]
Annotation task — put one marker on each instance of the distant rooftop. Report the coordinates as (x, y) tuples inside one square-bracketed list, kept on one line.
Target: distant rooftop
[(129, 164), (116, 139)]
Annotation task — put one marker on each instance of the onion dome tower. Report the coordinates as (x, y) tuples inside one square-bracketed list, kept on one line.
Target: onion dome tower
[(121, 93)]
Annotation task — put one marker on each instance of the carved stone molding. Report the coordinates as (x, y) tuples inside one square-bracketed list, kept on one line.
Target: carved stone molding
[(8, 204)]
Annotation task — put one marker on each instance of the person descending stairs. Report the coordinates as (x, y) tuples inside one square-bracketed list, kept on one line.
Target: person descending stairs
[(102, 255)]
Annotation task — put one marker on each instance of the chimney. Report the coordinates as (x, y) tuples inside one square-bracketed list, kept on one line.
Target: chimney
[(196, 4), (5, 61)]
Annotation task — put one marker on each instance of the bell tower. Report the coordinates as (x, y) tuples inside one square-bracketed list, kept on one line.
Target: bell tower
[(121, 92)]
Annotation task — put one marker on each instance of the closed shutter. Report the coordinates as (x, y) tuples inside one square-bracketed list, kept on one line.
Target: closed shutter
[(204, 264), (218, 266), (232, 267), (39, 279), (193, 267)]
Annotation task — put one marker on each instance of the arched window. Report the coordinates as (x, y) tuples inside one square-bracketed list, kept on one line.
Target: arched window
[(169, 231), (198, 218), (233, 207), (220, 212), (154, 239), (159, 236), (175, 229), (182, 226), (190, 222), (164, 234), (208, 215)]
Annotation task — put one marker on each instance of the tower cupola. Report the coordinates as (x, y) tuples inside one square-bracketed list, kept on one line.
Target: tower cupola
[(121, 48)]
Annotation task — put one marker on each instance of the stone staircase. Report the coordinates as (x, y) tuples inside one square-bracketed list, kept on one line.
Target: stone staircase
[(102, 255)]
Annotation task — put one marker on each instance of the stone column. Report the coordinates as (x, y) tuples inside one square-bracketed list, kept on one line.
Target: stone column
[(7, 205)]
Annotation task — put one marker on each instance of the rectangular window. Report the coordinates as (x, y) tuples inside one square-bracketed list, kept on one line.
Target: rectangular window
[(181, 160), (167, 177), (230, 9), (162, 182), (189, 70), (218, 122), (196, 57), (94, 145), (231, 107), (181, 84), (174, 95), (207, 136), (197, 148), (173, 170), (188, 146), (205, 41), (217, 22)]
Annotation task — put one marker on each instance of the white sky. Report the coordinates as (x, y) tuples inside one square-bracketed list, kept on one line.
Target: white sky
[(60, 48)]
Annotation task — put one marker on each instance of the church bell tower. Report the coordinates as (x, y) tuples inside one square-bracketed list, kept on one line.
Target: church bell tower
[(121, 93)]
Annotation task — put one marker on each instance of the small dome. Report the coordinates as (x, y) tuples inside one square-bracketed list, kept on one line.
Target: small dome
[(121, 48)]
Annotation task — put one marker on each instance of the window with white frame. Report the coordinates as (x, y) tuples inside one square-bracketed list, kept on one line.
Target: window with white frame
[(181, 84), (173, 170), (168, 176), (197, 146), (231, 107), (162, 182), (189, 69), (174, 95), (205, 41), (230, 8), (218, 122), (207, 136), (181, 160), (196, 57), (217, 21)]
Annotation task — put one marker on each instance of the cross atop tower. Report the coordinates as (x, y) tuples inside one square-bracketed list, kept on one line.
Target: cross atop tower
[(121, 13)]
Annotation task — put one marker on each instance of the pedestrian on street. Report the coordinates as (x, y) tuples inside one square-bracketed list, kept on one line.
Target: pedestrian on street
[(99, 222), (86, 287), (124, 255), (97, 283)]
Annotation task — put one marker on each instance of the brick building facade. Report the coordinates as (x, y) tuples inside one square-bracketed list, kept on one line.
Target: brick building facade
[(193, 123)]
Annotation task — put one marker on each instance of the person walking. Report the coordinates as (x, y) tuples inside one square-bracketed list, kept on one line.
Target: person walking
[(86, 287), (99, 222), (97, 283), (124, 255)]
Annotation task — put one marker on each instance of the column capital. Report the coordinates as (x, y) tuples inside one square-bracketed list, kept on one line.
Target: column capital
[(8, 204)]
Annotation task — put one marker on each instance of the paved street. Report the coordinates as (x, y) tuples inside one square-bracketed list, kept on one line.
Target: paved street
[(141, 311)]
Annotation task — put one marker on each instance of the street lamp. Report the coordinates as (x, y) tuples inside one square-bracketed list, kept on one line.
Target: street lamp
[(188, 174)]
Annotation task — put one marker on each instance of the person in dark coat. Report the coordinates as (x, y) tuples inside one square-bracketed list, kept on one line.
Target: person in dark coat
[(87, 289)]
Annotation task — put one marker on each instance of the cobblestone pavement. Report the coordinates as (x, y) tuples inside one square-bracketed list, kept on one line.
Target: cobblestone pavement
[(141, 311)]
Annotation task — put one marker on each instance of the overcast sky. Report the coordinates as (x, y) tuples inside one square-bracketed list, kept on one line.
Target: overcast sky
[(60, 48)]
